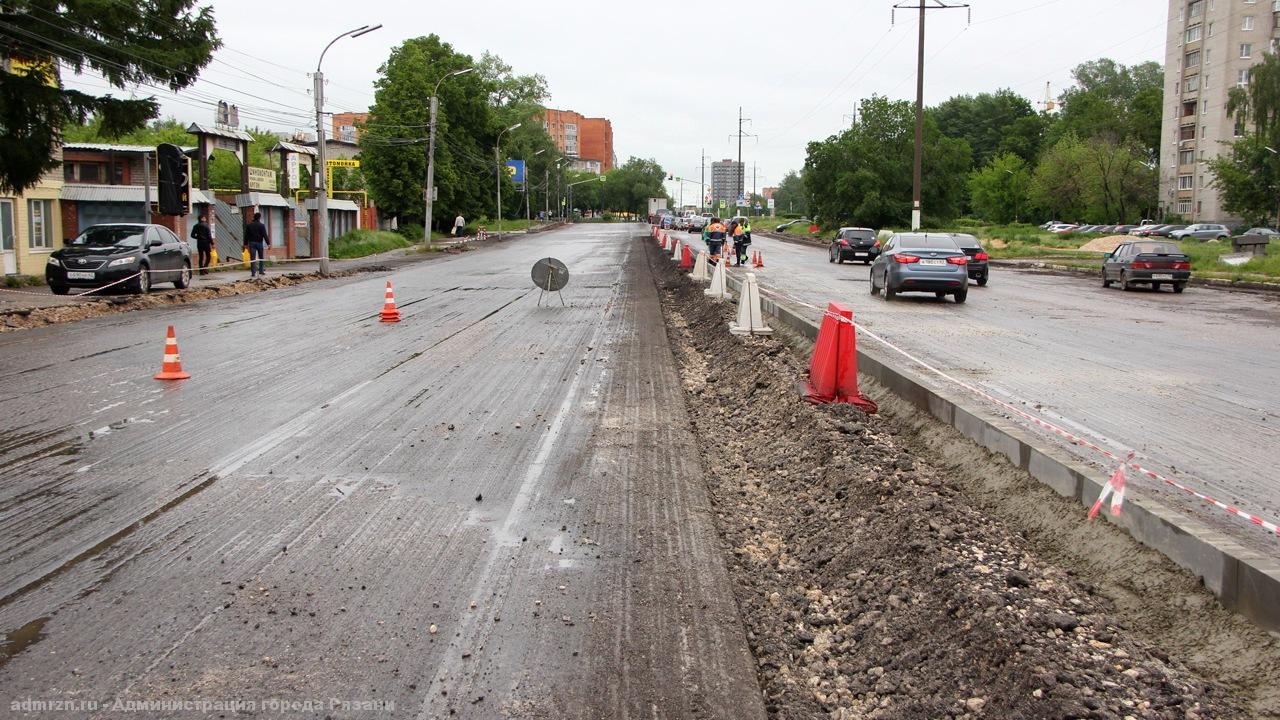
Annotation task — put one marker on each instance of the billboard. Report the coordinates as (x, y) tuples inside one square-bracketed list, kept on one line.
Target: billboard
[(515, 168)]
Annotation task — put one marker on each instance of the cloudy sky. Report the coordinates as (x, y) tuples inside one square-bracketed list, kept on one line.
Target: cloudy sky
[(671, 75)]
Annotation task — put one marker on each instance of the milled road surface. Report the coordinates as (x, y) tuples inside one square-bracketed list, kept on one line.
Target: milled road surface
[(489, 509), (1191, 381)]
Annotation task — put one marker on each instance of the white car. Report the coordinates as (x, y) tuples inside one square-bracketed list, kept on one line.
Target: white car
[(1063, 228), (1142, 229)]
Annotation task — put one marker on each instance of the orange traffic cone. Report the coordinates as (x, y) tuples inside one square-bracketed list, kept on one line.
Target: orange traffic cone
[(171, 367), (389, 311), (759, 260)]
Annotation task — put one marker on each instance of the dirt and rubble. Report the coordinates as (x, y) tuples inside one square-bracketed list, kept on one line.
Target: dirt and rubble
[(874, 585), (108, 304)]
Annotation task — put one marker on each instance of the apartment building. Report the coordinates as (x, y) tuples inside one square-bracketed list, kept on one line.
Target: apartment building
[(1210, 48), (726, 184), (587, 142)]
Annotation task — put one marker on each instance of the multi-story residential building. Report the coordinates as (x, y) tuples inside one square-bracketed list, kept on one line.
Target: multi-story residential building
[(1210, 48), (588, 142), (726, 184), (346, 126)]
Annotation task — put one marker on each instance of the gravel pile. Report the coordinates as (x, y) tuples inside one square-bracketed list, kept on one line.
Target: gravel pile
[(870, 585)]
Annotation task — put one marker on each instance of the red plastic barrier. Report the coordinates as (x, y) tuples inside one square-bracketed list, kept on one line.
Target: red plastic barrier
[(686, 259), (833, 369)]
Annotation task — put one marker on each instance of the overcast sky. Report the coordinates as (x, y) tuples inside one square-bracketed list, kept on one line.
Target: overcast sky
[(671, 75)]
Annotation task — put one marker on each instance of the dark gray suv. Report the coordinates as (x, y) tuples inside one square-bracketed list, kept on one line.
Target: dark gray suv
[(921, 262)]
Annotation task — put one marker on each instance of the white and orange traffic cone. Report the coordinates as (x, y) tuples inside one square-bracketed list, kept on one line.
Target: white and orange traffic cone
[(390, 313), (171, 367)]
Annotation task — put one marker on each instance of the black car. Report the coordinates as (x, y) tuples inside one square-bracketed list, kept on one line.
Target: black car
[(1165, 230), (854, 243), (1147, 262), (105, 254), (978, 268)]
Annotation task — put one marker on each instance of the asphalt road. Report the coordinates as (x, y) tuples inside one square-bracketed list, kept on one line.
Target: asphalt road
[(293, 522), (1191, 381)]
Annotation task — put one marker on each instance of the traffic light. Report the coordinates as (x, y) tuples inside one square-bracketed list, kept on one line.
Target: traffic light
[(174, 182)]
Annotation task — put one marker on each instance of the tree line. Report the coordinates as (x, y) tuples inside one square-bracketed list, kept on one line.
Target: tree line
[(994, 156)]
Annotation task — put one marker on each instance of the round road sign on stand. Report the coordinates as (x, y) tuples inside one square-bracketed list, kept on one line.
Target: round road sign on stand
[(550, 275)]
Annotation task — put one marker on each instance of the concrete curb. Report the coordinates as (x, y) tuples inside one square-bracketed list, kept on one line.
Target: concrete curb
[(1244, 581)]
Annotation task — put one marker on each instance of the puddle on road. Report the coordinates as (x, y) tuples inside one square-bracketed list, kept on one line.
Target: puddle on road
[(21, 639)]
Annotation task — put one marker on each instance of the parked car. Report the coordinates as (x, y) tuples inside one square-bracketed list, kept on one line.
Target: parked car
[(1265, 232), (1149, 262), (1165, 230), (1142, 230), (854, 243), (1051, 223), (1063, 228), (921, 262), (1124, 229), (1201, 231), (1085, 229), (1104, 229), (789, 223), (979, 268), (696, 223), (104, 254)]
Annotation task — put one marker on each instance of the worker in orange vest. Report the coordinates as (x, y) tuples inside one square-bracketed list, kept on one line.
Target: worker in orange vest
[(715, 238)]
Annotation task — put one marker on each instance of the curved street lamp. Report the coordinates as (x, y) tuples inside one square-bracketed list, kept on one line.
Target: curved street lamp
[(322, 192), (497, 157), (429, 189)]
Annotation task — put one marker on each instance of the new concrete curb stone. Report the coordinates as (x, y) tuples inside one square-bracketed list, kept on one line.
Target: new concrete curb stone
[(1244, 581)]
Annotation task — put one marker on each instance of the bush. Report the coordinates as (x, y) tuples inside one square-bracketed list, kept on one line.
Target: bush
[(411, 232), (361, 243)]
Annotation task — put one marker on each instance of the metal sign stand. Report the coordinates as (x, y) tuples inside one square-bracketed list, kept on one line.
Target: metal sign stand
[(550, 275)]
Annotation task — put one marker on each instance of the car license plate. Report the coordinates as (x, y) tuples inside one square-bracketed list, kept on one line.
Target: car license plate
[(73, 275), (1161, 276), (858, 254), (933, 261)]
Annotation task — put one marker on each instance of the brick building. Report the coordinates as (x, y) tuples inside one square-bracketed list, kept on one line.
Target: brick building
[(346, 126), (586, 141)]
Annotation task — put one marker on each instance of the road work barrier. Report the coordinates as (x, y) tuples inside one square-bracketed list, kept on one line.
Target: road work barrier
[(686, 257), (1245, 581), (390, 314), (675, 250), (750, 317), (833, 367), (719, 283), (700, 273), (171, 365)]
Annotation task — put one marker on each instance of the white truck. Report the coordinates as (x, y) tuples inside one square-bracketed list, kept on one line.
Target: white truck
[(657, 206)]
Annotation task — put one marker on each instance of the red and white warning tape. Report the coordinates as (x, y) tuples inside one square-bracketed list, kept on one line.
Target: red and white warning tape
[(1117, 493)]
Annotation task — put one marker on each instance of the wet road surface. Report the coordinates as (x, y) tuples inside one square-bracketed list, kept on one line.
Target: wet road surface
[(490, 509), (1191, 381)]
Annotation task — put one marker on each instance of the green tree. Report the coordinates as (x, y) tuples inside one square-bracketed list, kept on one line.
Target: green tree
[(1249, 175), (863, 176), (993, 123), (161, 44), (1115, 101), (1058, 185), (1098, 180), (473, 109), (998, 191), (792, 197), (628, 188)]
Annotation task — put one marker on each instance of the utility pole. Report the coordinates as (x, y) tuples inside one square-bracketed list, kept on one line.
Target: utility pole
[(742, 179), (916, 171)]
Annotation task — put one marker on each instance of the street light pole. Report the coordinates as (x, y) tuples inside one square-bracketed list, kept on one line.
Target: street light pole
[(527, 218), (322, 192), (430, 189), (497, 158)]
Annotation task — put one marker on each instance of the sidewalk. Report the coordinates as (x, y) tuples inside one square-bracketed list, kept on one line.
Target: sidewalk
[(41, 297)]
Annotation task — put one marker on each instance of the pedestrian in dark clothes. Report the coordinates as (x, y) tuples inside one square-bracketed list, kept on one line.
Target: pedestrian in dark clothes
[(204, 243), (255, 238)]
